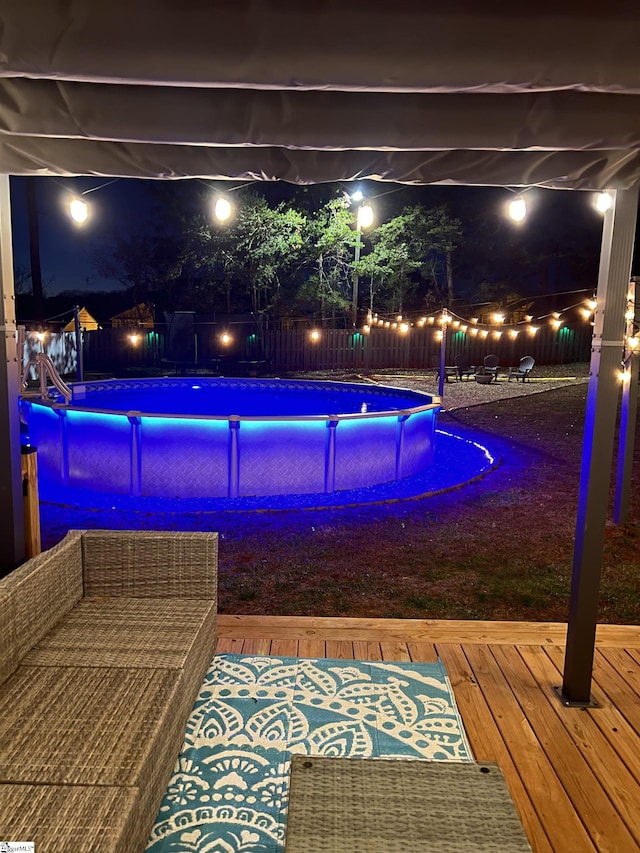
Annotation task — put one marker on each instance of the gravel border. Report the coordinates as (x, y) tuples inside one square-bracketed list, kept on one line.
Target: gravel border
[(467, 393)]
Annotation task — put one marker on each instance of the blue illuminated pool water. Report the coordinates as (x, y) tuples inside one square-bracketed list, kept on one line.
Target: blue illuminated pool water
[(229, 438)]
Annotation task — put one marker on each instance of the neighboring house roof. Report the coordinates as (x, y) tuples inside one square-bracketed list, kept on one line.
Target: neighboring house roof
[(87, 322), (139, 315)]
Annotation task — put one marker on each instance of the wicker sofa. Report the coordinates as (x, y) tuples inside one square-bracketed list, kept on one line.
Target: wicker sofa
[(104, 643)]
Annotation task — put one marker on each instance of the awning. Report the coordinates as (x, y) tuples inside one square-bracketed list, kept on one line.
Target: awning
[(468, 94)]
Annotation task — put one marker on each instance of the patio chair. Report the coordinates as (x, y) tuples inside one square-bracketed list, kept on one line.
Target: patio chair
[(523, 370), (463, 367), (491, 365)]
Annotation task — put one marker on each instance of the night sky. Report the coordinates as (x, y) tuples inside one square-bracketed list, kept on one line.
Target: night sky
[(555, 218)]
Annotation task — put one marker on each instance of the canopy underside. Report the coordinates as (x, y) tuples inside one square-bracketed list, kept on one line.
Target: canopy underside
[(334, 90)]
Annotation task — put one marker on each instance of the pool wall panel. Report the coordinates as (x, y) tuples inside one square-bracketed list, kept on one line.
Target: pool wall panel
[(365, 452), (99, 451), (276, 456), (184, 458)]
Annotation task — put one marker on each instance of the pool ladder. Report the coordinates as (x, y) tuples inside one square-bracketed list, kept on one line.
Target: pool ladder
[(45, 367)]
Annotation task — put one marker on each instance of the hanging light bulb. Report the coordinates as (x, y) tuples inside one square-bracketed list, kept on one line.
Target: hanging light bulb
[(517, 209), (222, 209), (365, 216), (78, 210), (603, 202)]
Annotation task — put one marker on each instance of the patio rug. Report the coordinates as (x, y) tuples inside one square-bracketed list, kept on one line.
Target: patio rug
[(229, 790)]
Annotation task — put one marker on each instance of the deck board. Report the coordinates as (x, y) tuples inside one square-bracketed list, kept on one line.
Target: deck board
[(574, 774)]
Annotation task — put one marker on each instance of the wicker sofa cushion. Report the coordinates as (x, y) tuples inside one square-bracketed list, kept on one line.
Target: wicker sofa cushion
[(123, 632), (146, 633), (85, 726)]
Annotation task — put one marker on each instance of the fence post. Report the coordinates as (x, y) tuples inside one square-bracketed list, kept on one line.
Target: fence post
[(31, 504)]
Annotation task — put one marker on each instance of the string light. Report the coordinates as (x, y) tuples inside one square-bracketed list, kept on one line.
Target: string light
[(603, 202), (222, 209), (517, 209), (314, 334), (78, 210)]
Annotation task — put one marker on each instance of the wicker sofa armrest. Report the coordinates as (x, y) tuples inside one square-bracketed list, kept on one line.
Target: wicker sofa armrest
[(150, 564), (37, 595)]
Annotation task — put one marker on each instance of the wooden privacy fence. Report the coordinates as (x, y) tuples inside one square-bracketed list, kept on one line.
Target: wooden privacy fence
[(344, 349)]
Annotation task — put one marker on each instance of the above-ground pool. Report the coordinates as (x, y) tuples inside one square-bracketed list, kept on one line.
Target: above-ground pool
[(210, 438)]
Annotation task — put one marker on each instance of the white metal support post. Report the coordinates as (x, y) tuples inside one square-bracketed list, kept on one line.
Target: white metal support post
[(597, 454), (12, 544), (628, 412)]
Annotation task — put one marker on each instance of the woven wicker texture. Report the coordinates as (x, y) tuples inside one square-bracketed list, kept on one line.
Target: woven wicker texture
[(8, 644), (347, 805), (123, 632), (65, 818), (149, 564), (89, 726), (43, 589)]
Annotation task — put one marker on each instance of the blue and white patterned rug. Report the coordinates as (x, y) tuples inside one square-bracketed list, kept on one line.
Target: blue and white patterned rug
[(229, 791)]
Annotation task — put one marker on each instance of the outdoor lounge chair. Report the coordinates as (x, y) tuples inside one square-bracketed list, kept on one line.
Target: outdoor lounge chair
[(463, 367), (523, 370), (491, 365)]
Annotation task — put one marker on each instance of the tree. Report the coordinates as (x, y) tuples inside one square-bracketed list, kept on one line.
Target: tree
[(267, 243), (328, 287), (418, 243)]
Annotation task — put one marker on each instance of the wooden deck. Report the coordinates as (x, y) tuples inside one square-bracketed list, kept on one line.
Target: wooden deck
[(574, 774)]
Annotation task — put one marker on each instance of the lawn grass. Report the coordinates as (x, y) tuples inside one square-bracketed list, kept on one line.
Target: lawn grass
[(499, 548)]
